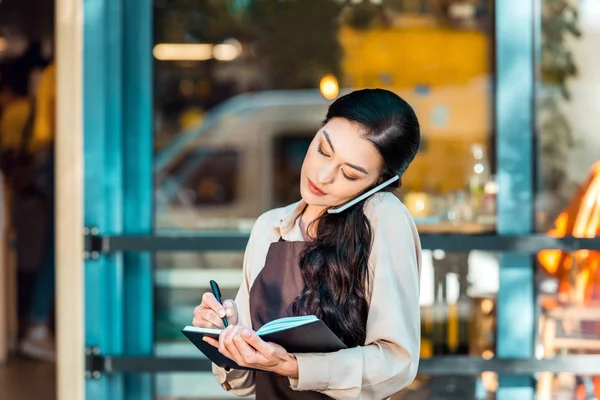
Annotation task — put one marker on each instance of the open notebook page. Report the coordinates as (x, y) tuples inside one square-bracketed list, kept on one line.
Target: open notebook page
[(285, 323), (270, 327)]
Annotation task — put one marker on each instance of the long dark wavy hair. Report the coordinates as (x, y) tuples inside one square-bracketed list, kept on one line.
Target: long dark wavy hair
[(335, 264)]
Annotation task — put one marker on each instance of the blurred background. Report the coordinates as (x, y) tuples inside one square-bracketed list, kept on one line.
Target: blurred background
[(193, 118)]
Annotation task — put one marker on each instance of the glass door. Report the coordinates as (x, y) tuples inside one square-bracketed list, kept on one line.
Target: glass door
[(241, 87)]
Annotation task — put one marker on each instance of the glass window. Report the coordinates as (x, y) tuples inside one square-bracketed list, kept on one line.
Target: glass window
[(458, 308), (568, 200), (180, 280), (289, 149), (482, 387), (241, 89), (568, 140), (191, 386), (451, 387), (204, 176), (242, 86)]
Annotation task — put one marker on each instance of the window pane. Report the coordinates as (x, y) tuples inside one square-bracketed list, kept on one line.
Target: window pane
[(569, 320), (458, 298), (564, 386), (450, 387), (568, 97), (180, 281), (458, 302), (189, 386), (568, 202), (242, 87), (567, 385), (458, 295)]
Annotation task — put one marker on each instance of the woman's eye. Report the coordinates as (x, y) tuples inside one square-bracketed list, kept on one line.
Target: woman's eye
[(321, 151), (348, 177)]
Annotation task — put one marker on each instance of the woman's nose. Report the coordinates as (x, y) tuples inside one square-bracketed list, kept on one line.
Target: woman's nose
[(326, 174)]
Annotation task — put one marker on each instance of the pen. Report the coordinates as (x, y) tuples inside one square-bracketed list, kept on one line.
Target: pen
[(217, 292)]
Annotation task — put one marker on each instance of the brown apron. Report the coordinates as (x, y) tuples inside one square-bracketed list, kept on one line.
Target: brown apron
[(271, 296)]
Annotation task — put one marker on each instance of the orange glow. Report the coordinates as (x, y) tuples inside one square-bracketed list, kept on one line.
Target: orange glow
[(581, 218), (329, 87)]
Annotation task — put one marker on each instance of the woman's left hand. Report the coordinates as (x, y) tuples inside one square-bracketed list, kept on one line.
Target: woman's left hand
[(247, 349)]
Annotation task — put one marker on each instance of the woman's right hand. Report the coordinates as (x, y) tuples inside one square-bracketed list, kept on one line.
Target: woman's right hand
[(209, 313)]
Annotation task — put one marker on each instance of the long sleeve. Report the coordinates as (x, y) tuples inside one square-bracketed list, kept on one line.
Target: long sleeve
[(388, 361), (241, 382)]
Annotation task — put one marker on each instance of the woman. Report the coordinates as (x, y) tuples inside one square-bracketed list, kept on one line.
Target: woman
[(357, 270)]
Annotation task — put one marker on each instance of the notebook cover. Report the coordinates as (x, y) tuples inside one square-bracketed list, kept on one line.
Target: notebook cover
[(212, 353), (314, 337)]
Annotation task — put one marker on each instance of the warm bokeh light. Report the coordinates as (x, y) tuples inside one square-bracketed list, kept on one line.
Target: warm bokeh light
[(487, 355), (487, 305), (581, 218), (225, 52), (183, 52), (490, 381), (329, 87), (197, 52)]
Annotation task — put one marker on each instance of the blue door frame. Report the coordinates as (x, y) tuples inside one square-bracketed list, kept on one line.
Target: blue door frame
[(515, 150), (118, 194), (118, 158)]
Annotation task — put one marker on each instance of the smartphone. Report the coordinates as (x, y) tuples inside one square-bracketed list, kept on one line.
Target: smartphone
[(363, 196)]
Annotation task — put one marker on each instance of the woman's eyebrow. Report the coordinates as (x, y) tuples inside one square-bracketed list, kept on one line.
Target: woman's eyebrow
[(356, 167), (328, 140)]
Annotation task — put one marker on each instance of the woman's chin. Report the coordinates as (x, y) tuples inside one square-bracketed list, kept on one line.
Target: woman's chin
[(311, 201)]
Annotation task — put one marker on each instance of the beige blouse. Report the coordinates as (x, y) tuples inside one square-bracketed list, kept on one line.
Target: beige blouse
[(388, 361)]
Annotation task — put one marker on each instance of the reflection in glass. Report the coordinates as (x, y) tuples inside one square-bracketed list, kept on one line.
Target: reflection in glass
[(458, 302), (179, 386), (568, 199), (482, 387), (242, 87), (458, 292)]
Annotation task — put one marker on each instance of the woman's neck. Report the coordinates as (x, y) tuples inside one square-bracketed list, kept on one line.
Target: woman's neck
[(309, 214)]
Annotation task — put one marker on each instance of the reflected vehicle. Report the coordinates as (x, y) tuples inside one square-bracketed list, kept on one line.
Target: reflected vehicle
[(242, 161), (246, 156)]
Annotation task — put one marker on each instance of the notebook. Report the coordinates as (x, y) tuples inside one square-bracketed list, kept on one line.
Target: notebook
[(304, 334)]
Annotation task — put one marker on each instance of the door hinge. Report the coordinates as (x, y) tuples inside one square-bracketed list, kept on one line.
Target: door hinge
[(92, 243), (94, 363)]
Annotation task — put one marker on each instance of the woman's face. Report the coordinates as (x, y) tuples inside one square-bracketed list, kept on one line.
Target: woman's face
[(339, 165)]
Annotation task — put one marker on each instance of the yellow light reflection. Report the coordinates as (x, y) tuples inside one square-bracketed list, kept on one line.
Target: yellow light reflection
[(329, 87), (225, 52), (487, 355), (182, 52)]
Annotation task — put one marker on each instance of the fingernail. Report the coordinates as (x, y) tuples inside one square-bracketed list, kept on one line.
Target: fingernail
[(229, 312), (246, 334), (221, 313)]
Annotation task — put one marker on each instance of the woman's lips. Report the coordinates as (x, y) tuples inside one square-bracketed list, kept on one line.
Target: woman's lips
[(315, 189)]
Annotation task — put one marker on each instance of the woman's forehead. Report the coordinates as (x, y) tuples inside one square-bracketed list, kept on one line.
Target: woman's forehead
[(348, 141)]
